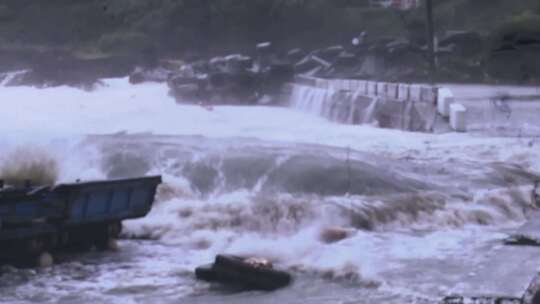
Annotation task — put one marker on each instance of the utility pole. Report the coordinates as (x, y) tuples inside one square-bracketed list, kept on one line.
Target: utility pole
[(430, 39)]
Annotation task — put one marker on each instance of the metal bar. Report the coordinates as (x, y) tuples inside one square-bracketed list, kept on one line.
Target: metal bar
[(430, 39)]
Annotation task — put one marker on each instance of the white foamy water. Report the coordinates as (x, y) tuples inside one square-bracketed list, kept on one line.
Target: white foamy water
[(117, 106), (228, 188)]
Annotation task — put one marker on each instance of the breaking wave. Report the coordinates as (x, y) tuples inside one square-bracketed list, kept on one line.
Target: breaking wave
[(28, 163), (299, 205), (351, 210)]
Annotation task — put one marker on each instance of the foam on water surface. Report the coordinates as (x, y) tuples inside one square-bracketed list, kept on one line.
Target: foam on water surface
[(408, 245)]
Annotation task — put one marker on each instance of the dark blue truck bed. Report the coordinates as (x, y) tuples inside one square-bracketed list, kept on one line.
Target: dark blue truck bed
[(106, 200), (83, 213), (24, 213)]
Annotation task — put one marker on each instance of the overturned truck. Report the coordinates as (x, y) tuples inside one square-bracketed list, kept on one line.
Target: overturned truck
[(35, 221)]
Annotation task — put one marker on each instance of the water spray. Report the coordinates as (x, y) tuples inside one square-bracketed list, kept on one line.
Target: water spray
[(348, 165)]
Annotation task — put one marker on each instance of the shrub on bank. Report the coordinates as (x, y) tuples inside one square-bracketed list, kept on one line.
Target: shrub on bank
[(513, 51), (124, 42), (520, 25), (29, 164)]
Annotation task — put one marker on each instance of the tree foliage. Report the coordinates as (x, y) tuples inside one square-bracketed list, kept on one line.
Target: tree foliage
[(212, 25)]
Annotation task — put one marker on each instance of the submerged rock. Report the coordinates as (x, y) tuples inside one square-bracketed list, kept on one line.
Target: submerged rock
[(334, 234), (246, 273), (295, 55), (233, 88), (153, 75), (57, 68), (186, 89)]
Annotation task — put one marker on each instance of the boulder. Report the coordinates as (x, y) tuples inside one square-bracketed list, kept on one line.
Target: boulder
[(463, 43), (330, 53), (217, 64), (186, 93), (237, 63), (359, 40), (180, 79), (307, 64), (344, 66), (265, 55), (264, 48), (171, 64), (294, 55), (247, 273), (334, 234), (141, 75), (234, 88), (276, 77), (56, 68), (187, 89), (16, 59)]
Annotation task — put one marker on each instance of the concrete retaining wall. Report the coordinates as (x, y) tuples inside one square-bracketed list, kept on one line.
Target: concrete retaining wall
[(393, 105)]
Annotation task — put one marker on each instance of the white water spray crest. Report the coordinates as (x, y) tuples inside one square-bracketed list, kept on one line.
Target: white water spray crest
[(31, 164), (287, 227)]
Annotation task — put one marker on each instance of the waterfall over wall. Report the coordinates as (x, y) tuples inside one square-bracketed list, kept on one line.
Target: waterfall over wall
[(361, 102), (495, 110)]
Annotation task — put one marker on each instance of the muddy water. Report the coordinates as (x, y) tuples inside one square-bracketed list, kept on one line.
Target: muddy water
[(420, 210)]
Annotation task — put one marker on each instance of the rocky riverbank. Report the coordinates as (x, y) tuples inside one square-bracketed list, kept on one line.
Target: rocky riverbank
[(50, 68), (256, 75)]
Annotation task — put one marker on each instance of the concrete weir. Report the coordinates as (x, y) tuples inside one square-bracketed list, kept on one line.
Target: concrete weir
[(510, 274), (386, 105)]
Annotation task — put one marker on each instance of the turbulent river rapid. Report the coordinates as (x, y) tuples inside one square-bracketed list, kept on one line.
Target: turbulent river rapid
[(419, 210)]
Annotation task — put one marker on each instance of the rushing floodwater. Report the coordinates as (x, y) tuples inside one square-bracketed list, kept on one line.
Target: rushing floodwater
[(420, 210)]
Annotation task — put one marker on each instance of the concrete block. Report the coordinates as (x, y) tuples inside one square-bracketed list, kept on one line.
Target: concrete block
[(351, 84), (415, 93), (458, 117), (428, 94), (346, 84), (357, 84), (381, 88), (343, 84), (361, 86), (392, 91), (372, 90), (444, 99), (403, 92)]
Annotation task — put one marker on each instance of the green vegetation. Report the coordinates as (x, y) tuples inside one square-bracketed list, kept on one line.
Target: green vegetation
[(210, 26), (525, 23), (29, 164), (122, 42)]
